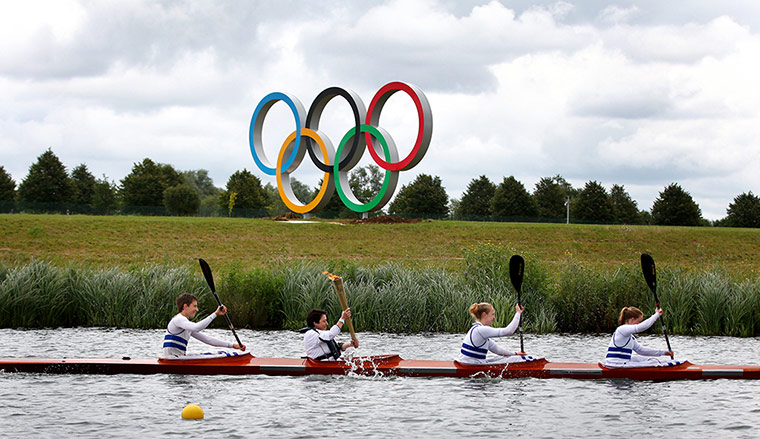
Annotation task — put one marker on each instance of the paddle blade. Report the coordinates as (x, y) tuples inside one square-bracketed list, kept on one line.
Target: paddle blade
[(207, 274), (650, 274), (516, 268)]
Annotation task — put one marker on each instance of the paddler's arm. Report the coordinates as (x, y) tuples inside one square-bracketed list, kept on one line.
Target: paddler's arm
[(182, 322), (348, 344), (498, 350), (346, 314), (209, 340), (648, 352)]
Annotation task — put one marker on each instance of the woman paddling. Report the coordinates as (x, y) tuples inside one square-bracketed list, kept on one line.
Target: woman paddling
[(477, 342), (320, 343), (623, 343)]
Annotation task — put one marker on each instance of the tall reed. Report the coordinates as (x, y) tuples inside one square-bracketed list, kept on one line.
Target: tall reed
[(387, 298)]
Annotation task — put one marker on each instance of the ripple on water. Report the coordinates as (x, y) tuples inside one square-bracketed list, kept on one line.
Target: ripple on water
[(247, 406)]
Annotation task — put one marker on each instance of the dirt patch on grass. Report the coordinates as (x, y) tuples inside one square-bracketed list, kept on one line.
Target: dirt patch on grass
[(288, 216), (385, 219)]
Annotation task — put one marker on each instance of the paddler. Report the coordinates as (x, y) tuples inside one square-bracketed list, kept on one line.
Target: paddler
[(477, 342), (623, 343), (320, 343), (180, 328)]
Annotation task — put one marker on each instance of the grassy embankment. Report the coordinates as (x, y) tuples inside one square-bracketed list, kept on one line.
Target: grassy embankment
[(126, 271), (125, 241)]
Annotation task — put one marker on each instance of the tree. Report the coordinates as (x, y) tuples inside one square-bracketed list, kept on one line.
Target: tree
[(454, 209), (675, 207), (646, 217), (82, 185), (200, 182), (104, 196), (365, 183), (425, 197), (744, 211), (7, 186), (593, 204), (624, 208), (570, 191), (510, 199), (47, 181), (182, 200), (245, 191), (550, 197), (476, 200), (274, 203), (146, 184)]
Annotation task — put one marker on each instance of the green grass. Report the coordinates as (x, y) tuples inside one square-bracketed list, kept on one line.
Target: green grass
[(79, 270), (104, 241)]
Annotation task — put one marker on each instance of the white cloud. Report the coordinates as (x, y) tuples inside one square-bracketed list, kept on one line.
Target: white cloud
[(640, 95), (614, 14)]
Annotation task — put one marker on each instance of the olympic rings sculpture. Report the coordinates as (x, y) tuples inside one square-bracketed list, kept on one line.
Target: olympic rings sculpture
[(382, 148)]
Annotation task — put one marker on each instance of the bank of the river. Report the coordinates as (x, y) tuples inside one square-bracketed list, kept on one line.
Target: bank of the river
[(388, 298), (128, 240), (284, 407)]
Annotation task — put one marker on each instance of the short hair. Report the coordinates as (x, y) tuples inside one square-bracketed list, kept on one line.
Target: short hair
[(629, 312), (314, 316), (477, 309), (184, 299)]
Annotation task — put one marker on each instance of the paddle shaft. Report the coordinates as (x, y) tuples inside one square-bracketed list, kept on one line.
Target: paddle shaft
[(522, 348), (516, 269), (341, 292), (664, 327), (210, 281), (229, 322), (650, 275)]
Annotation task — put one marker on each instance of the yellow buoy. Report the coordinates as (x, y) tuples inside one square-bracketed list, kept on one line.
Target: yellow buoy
[(192, 411)]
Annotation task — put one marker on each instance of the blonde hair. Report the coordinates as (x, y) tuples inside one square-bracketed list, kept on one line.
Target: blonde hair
[(477, 309), (629, 312)]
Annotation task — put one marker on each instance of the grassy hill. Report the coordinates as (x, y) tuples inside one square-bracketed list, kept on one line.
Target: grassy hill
[(102, 241)]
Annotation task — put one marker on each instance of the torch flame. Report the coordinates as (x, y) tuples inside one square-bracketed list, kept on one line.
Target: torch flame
[(330, 275)]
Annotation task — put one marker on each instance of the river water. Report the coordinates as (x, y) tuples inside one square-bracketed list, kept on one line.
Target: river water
[(35, 405)]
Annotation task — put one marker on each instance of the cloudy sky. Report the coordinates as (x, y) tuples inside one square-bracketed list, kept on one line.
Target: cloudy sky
[(637, 93)]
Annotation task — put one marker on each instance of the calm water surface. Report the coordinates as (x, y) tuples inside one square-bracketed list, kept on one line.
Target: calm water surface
[(261, 406)]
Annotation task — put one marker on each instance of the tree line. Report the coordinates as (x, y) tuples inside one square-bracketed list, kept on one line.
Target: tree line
[(160, 189)]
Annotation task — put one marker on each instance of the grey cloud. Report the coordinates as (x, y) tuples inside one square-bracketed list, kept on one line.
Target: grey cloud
[(150, 34), (441, 60), (620, 107)]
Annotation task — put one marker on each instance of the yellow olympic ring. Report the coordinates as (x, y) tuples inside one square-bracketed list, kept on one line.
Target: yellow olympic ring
[(285, 190)]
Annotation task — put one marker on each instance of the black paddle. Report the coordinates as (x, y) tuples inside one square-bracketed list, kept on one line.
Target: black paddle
[(650, 275), (210, 279), (516, 268)]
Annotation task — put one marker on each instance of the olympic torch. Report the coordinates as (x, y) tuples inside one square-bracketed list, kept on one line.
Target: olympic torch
[(338, 284)]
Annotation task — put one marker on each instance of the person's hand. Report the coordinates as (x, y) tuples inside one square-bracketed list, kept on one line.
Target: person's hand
[(355, 343), (520, 353), (346, 314), (659, 310), (238, 346), (221, 310), (519, 309), (669, 353)]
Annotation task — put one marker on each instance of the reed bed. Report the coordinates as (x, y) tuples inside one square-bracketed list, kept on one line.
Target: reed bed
[(387, 298)]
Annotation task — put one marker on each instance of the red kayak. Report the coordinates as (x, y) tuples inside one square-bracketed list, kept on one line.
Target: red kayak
[(379, 365)]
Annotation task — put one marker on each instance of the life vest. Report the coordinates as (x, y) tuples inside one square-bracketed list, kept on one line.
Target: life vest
[(332, 345), (470, 349), (175, 344), (623, 351)]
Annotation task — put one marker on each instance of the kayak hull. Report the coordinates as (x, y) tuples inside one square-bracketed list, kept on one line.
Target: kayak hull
[(380, 365)]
